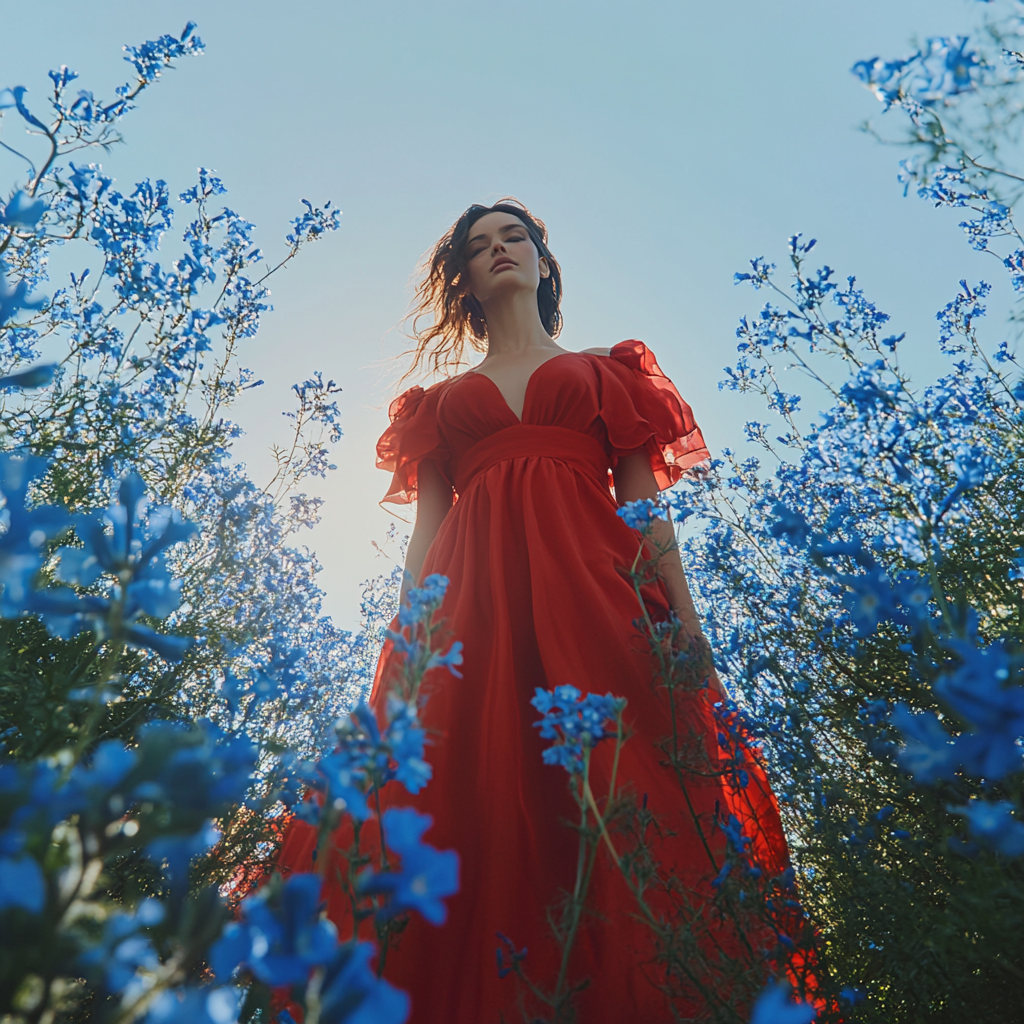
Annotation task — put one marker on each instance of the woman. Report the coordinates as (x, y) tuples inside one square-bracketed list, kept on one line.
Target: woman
[(509, 466)]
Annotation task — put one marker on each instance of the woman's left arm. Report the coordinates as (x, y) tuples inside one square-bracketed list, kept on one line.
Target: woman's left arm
[(634, 479)]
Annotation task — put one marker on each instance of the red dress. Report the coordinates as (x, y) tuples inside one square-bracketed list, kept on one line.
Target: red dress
[(533, 550)]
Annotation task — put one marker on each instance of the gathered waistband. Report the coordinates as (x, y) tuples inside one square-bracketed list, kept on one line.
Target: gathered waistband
[(526, 439)]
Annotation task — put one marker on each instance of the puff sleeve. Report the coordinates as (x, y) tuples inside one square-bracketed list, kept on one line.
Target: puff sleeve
[(641, 408), (412, 437)]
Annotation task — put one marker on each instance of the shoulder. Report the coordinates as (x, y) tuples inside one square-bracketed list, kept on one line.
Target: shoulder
[(420, 399), (626, 355), (623, 351)]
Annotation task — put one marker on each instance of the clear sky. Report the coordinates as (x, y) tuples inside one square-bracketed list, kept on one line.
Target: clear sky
[(664, 142)]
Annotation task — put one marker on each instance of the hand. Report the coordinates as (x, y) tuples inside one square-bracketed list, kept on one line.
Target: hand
[(696, 660)]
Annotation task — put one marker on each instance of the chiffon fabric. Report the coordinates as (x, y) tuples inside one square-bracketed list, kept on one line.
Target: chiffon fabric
[(535, 553)]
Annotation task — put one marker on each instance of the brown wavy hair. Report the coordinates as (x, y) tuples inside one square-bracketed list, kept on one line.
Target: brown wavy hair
[(454, 316)]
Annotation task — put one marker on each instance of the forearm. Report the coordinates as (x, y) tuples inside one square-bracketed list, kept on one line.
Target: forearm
[(434, 502), (670, 569), (415, 555), (634, 480)]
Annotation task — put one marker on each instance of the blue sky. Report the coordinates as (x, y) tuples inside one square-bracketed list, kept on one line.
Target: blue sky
[(665, 143)]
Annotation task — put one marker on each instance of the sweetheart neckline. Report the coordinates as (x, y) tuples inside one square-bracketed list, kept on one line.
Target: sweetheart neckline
[(529, 381)]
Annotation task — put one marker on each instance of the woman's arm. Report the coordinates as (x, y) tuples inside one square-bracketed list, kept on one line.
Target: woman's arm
[(433, 502), (634, 479)]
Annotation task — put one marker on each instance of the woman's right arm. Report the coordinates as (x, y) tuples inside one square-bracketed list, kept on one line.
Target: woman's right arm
[(434, 498)]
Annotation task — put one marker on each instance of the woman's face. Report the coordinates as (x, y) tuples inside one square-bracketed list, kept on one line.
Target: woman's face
[(501, 258)]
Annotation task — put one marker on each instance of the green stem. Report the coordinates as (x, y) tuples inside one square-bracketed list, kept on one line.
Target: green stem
[(579, 897)]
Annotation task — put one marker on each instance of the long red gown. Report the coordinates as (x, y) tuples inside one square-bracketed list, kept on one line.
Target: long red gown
[(533, 550)]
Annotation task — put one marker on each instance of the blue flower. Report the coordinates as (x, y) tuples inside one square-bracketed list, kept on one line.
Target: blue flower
[(133, 554), (639, 514), (761, 273), (22, 884), (422, 602), (576, 721), (973, 466), (178, 852), (775, 1007), (15, 297), (281, 937), (993, 825), (406, 740), (154, 55), (979, 690), (929, 753), (426, 876), (36, 377), (313, 223), (27, 530), (738, 842), (996, 219), (23, 211), (195, 1006), (351, 992), (124, 955), (940, 71), (18, 93), (869, 601), (957, 317), (202, 769), (516, 956), (108, 766), (914, 593), (852, 995), (344, 782), (791, 525), (449, 660), (883, 78), (946, 69)]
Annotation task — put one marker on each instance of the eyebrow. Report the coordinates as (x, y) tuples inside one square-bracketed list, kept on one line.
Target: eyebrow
[(504, 227)]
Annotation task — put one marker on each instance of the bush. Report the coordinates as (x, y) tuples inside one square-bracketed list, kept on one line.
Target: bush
[(864, 596), (168, 680)]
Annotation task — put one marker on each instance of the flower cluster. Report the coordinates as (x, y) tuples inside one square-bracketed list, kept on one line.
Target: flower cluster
[(416, 627), (131, 561), (640, 514), (426, 876), (960, 122), (577, 722), (282, 936), (935, 74), (365, 759)]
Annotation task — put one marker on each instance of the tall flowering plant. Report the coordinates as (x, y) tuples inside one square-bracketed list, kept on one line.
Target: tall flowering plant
[(860, 578), (102, 905), (168, 678), (376, 857), (142, 354)]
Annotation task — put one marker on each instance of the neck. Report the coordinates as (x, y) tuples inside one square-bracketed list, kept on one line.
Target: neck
[(514, 325)]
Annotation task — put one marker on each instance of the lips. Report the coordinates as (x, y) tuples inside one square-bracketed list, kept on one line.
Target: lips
[(505, 261)]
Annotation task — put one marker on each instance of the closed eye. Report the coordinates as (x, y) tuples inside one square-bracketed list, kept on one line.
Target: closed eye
[(474, 250)]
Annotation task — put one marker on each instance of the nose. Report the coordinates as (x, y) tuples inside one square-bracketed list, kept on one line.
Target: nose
[(499, 246)]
